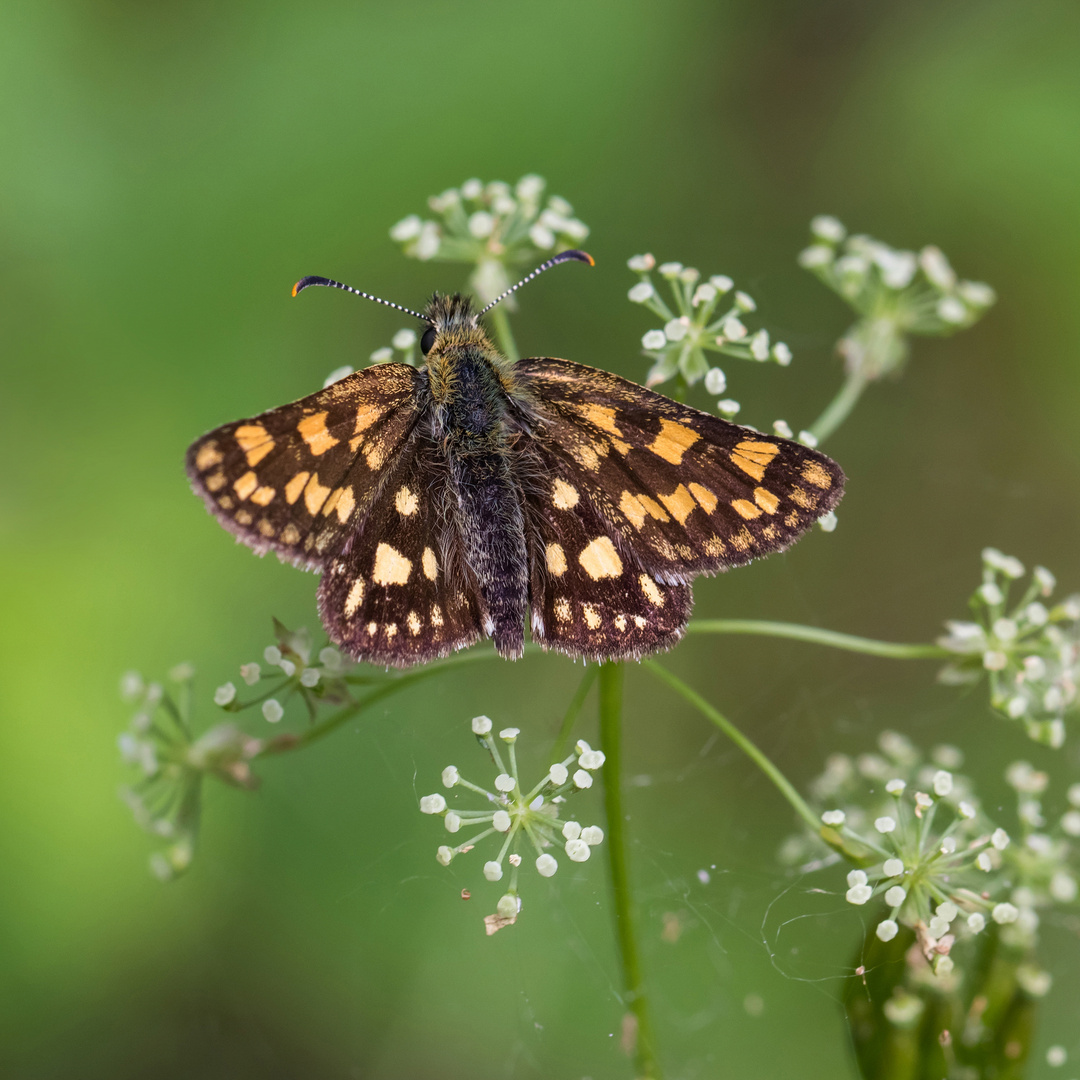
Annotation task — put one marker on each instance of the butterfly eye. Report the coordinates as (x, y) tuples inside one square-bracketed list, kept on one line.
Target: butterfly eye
[(428, 340)]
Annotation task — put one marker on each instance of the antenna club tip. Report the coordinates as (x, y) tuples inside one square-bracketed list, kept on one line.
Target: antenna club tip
[(295, 289), (581, 256)]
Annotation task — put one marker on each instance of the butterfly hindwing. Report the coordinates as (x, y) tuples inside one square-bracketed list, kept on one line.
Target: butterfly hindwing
[(398, 594), (297, 479), (589, 595), (687, 492)]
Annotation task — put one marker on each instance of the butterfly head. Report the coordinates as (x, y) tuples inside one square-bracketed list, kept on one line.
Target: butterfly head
[(451, 322)]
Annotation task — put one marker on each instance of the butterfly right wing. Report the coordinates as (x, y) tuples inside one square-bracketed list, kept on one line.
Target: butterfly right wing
[(400, 594)]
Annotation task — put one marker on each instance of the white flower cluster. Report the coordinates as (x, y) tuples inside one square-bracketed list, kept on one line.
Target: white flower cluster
[(518, 817), (165, 798), (895, 292), (1030, 650), (493, 226), (290, 657), (706, 316)]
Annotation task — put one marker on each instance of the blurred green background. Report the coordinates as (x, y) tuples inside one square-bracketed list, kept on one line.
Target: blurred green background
[(168, 170)]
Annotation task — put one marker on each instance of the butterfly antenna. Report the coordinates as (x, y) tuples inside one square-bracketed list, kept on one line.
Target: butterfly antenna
[(565, 256), (303, 283)]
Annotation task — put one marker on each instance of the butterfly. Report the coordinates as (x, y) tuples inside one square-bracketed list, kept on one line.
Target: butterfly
[(446, 503)]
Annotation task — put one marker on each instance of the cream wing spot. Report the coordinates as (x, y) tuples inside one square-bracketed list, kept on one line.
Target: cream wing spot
[(215, 482), (355, 598), (406, 502), (651, 590), (556, 559), (372, 628), (620, 622), (412, 621), (592, 616), (430, 564), (562, 609), (391, 567), (208, 456), (640, 621), (565, 496), (436, 615), (814, 474), (290, 534), (600, 559)]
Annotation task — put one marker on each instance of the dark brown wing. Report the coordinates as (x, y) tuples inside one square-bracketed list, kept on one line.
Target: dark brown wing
[(297, 480), (681, 491), (398, 593)]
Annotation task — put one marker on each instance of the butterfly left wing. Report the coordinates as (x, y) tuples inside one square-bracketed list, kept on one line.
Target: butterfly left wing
[(683, 491)]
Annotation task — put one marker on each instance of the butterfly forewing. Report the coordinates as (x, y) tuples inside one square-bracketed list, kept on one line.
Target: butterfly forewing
[(298, 479), (398, 594), (684, 491)]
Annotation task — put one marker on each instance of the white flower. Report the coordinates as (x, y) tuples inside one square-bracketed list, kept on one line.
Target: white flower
[(546, 865), (529, 188), (858, 894), (432, 804), (816, 255), (641, 264), (827, 521), (582, 779), (759, 345), (895, 896), (948, 845), (733, 329), (337, 375), (1005, 629), (272, 710), (676, 329), (427, 245), (977, 293), (406, 229), (452, 821), (671, 269), (404, 339), (948, 911), (984, 862), (715, 381), (728, 407), (943, 782), (887, 930), (744, 302), (808, 438), (225, 695), (995, 660), (856, 877), (721, 282), (592, 835), (481, 224), (1056, 1056), (1046, 580), (951, 310), (653, 340), (781, 354), (936, 268), (591, 759), (450, 776), (1000, 839), (641, 292), (1063, 887), (272, 654), (976, 922), (493, 871), (383, 355), (288, 667), (782, 428), (991, 593), (892, 867), (705, 293), (309, 677), (895, 787), (557, 774), (509, 734), (833, 817), (1004, 913), (444, 855), (500, 821), (542, 236), (577, 850), (826, 227), (885, 824), (481, 725), (571, 830)]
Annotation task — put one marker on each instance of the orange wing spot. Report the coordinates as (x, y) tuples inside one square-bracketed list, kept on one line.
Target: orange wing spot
[(313, 430), (246, 485), (673, 441), (636, 507), (600, 559), (600, 415), (766, 500), (366, 415), (801, 498), (208, 456), (745, 509), (315, 495), (375, 455), (792, 519), (332, 501), (705, 498), (651, 590), (714, 547), (771, 532), (255, 441), (814, 473), (346, 504), (753, 457), (742, 540), (680, 502), (264, 496), (295, 486)]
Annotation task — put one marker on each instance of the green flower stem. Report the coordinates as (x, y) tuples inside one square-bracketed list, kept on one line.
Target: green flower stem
[(836, 412), (890, 649), (284, 743), (739, 739), (611, 688), (504, 337), (572, 710)]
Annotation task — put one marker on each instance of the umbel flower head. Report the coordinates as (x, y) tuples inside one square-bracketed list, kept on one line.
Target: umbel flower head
[(703, 316), (524, 823), (497, 228), (895, 293), (924, 849), (171, 763), (1028, 648)]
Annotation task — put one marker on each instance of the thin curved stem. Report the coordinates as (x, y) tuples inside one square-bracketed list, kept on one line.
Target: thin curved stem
[(611, 687), (837, 411), (782, 783), (572, 710), (891, 649)]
